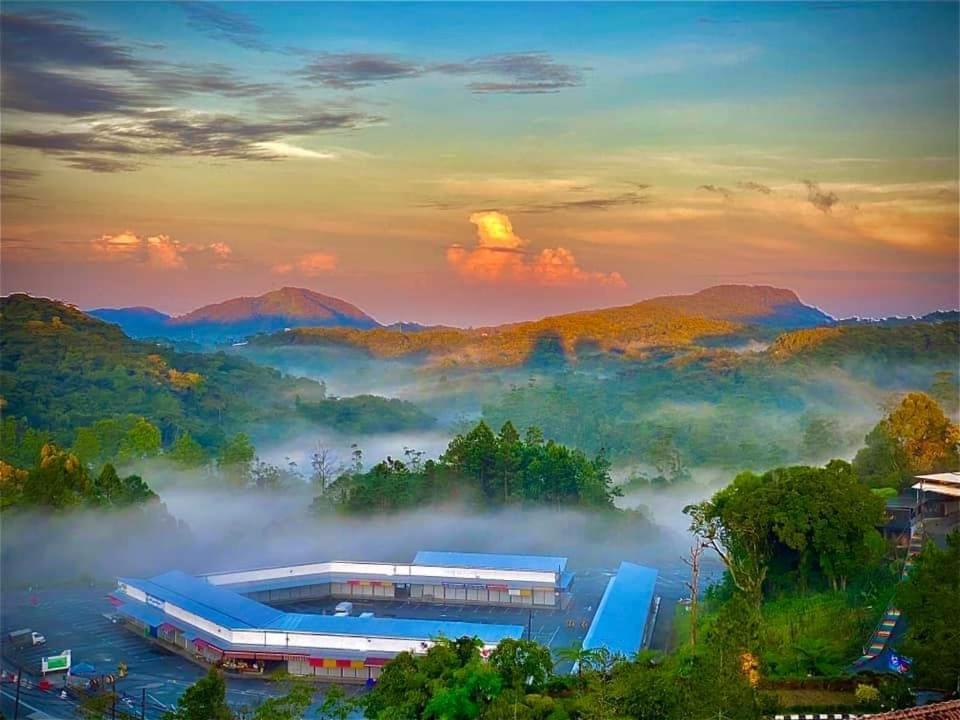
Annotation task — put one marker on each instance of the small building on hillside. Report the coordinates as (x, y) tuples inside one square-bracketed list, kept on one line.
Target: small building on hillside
[(902, 518), (938, 495)]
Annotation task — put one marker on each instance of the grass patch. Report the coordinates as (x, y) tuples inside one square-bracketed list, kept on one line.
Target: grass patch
[(814, 699), (816, 634)]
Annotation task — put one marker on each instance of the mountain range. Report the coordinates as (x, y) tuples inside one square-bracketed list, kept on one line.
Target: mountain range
[(240, 317)]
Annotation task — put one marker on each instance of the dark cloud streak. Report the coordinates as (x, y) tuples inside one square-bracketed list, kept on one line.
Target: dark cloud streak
[(222, 24), (822, 201)]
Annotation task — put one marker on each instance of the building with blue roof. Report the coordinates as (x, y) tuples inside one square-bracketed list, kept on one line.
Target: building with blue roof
[(625, 616), (433, 577), (216, 624)]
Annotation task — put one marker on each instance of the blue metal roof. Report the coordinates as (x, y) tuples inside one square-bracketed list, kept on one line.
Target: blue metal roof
[(229, 609), (622, 614), (144, 613), (394, 627), (224, 607), (544, 563)]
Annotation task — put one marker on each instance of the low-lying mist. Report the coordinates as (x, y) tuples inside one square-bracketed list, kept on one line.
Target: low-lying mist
[(223, 528)]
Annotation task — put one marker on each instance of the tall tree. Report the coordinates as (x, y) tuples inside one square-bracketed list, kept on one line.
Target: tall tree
[(930, 601)]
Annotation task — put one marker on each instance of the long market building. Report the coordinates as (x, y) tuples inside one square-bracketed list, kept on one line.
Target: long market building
[(220, 626), (223, 618), (439, 577)]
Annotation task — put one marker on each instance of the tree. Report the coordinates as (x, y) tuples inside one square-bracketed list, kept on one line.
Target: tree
[(86, 446), (187, 452), (522, 664), (926, 436), (291, 706), (882, 463), (141, 441), (325, 466), (235, 458), (946, 391), (930, 601), (204, 700)]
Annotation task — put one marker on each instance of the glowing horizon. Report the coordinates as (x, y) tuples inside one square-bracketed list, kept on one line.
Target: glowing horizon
[(175, 155)]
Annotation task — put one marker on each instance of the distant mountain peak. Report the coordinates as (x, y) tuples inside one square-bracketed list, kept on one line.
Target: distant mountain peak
[(287, 302), (751, 304)]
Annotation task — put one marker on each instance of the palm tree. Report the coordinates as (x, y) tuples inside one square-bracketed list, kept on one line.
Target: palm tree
[(580, 657)]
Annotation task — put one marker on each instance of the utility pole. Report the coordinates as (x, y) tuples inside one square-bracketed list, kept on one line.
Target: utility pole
[(530, 624), (143, 703), (16, 702), (693, 562)]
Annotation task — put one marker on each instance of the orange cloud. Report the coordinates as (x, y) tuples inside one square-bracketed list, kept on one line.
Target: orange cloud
[(159, 251), (311, 265), (221, 250), (499, 257)]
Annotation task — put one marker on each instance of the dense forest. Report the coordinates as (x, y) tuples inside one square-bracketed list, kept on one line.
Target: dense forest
[(67, 377)]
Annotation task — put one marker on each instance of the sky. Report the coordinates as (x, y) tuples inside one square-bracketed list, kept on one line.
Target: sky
[(480, 163)]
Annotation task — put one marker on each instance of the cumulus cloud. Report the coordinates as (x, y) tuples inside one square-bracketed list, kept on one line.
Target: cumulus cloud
[(158, 251), (821, 200), (221, 250), (499, 257), (310, 265)]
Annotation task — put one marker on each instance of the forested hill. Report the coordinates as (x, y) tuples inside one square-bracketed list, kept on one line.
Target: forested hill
[(61, 369), (915, 342), (632, 330)]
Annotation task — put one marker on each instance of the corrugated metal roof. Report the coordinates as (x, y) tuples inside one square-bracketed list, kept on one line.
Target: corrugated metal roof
[(544, 563), (394, 627), (224, 607), (229, 609), (622, 614)]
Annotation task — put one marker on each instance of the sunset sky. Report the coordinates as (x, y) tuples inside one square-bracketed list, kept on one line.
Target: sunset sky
[(478, 163)]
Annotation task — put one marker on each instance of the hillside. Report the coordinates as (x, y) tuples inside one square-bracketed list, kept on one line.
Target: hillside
[(240, 317), (748, 304), (632, 330), (914, 342), (61, 369)]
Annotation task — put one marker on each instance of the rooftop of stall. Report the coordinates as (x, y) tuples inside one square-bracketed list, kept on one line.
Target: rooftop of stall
[(492, 561), (621, 620)]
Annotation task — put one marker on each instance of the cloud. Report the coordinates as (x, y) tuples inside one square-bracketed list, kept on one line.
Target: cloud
[(222, 24), (717, 190), (99, 164), (275, 147), (499, 257), (347, 71), (519, 73), (310, 265), (169, 132), (53, 38), (220, 249), (158, 251), (594, 203), (757, 187), (823, 201), (164, 252)]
